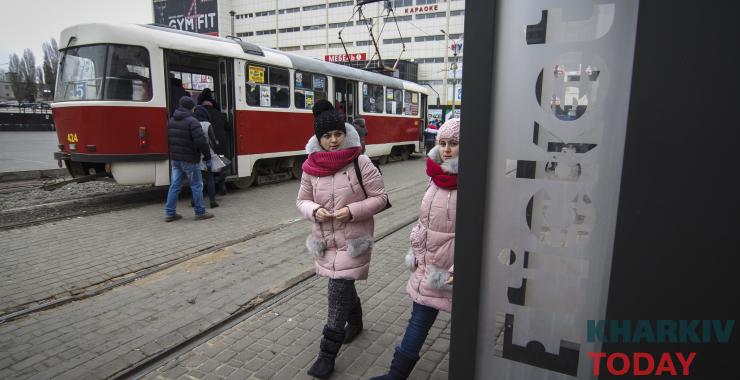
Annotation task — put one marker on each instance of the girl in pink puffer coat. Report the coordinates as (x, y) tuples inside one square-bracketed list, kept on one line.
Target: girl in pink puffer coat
[(341, 241), (432, 251)]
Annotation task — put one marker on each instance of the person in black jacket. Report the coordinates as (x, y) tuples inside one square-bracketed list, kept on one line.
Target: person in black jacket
[(201, 114), (187, 142), (361, 129), (176, 93), (222, 131)]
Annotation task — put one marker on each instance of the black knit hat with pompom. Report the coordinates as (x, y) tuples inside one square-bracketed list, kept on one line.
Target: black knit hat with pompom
[(326, 119)]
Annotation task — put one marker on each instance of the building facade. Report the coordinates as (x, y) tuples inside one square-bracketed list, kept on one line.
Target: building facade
[(426, 28), (6, 91)]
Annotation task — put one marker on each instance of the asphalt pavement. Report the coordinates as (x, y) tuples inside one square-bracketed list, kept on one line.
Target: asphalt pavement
[(22, 151)]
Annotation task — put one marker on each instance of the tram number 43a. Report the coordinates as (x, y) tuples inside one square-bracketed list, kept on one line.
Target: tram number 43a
[(72, 137)]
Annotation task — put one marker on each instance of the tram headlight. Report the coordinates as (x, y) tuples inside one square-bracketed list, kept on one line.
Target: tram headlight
[(72, 146)]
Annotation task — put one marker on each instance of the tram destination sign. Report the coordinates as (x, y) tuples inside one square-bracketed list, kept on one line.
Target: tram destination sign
[(199, 16), (345, 57)]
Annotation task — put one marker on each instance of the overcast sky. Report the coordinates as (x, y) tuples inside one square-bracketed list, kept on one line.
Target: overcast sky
[(29, 23)]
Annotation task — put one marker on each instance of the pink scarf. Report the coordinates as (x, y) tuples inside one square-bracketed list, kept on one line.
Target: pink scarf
[(439, 177), (322, 164)]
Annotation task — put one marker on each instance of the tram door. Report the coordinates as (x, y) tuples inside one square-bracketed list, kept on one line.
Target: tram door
[(344, 98), (191, 74), (226, 98), (423, 119)]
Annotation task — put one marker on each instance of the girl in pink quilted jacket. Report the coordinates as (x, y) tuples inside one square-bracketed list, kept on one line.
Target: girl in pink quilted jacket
[(341, 204), (432, 251)]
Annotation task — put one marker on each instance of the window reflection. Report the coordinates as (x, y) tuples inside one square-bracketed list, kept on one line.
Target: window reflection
[(562, 221)]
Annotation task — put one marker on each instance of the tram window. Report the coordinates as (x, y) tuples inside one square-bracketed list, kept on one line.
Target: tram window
[(268, 86), (393, 101), (193, 83), (372, 98), (343, 98), (309, 89), (84, 74), (127, 75), (411, 103)]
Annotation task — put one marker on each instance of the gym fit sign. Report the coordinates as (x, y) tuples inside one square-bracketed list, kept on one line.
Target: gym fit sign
[(558, 129), (199, 16)]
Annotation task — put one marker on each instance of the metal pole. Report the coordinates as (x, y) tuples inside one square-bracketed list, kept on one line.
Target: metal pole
[(453, 66), (232, 13), (447, 55), (326, 28)]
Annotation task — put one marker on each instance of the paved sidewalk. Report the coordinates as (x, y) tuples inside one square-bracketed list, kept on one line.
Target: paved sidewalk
[(98, 337), (281, 342), (53, 260)]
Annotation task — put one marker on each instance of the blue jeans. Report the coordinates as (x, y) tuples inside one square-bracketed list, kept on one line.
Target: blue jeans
[(422, 319), (192, 170)]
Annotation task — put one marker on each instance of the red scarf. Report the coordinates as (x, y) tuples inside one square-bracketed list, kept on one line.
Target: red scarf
[(322, 164), (444, 180)]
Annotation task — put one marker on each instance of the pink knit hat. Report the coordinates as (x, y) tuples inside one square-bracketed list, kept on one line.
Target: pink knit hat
[(449, 130)]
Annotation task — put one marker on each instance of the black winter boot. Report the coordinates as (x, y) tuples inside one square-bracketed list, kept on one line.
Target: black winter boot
[(330, 344), (354, 323), (401, 367)]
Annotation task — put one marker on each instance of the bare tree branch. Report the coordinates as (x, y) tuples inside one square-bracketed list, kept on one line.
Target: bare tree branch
[(51, 62)]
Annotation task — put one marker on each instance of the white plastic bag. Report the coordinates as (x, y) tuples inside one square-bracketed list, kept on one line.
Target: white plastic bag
[(218, 163)]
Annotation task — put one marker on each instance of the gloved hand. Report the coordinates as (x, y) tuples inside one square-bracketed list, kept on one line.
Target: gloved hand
[(209, 165)]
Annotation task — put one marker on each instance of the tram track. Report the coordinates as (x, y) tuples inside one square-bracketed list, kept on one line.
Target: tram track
[(78, 294), (22, 185), (254, 306), (99, 288), (71, 208), (61, 209)]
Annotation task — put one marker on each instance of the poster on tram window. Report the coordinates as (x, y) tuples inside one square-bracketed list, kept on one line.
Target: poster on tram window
[(309, 99), (298, 79), (187, 80), (265, 96), (201, 82), (198, 16), (319, 83), (256, 74)]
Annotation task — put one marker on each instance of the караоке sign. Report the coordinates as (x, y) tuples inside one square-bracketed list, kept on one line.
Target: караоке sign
[(421, 9)]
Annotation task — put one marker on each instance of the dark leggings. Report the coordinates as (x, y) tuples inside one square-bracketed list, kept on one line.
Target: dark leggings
[(210, 186), (342, 299)]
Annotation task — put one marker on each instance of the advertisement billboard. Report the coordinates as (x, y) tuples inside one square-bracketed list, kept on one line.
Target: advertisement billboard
[(199, 16)]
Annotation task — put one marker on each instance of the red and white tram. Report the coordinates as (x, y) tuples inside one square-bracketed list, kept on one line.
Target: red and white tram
[(113, 100)]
